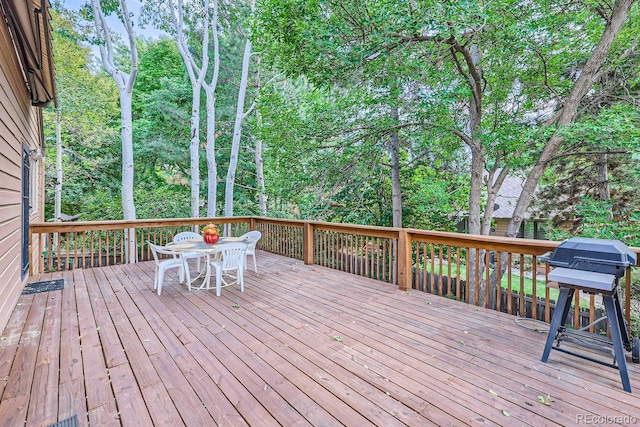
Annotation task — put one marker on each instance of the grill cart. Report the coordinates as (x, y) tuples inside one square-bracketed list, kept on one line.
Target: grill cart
[(592, 266)]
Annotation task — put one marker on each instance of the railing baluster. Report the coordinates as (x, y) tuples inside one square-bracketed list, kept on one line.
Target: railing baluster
[(523, 312), (467, 297), (509, 284), (458, 265), (499, 281), (449, 272), (487, 271)]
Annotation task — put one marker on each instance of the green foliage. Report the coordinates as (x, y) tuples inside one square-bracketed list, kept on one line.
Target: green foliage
[(88, 123), (577, 178), (326, 126), (594, 219)]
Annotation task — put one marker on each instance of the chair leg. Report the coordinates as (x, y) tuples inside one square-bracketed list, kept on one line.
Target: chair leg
[(207, 277), (187, 274), (241, 279), (181, 275), (218, 281), (255, 266), (160, 279)]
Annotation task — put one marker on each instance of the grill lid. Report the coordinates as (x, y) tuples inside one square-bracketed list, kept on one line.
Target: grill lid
[(597, 255)]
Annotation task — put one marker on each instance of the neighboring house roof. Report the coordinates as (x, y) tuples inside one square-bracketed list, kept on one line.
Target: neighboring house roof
[(508, 197), (28, 21)]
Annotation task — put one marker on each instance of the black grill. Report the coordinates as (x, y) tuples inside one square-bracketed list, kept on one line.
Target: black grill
[(594, 266), (595, 255)]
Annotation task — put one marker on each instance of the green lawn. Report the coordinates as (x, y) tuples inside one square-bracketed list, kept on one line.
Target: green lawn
[(515, 281)]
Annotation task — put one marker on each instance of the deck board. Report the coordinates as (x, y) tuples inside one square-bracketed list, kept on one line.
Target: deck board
[(112, 351)]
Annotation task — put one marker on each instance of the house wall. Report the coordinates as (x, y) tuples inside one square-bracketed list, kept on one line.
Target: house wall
[(20, 125), (528, 229), (500, 226)]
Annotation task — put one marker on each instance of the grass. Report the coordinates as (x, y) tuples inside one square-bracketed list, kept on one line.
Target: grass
[(541, 285)]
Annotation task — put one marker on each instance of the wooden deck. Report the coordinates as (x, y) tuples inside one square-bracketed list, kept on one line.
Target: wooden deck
[(303, 345)]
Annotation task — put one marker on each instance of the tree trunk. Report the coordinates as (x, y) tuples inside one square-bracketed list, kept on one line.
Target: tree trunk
[(57, 209), (396, 188), (210, 91), (475, 199), (569, 111), (473, 58), (493, 188), (125, 83), (477, 151), (262, 197), (603, 177), (196, 77), (212, 167), (194, 151), (128, 206), (237, 132)]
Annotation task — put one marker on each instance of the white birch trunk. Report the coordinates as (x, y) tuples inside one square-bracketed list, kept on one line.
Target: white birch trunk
[(194, 151), (57, 208), (124, 81), (262, 197), (196, 77), (128, 206), (210, 91), (212, 167), (237, 132)]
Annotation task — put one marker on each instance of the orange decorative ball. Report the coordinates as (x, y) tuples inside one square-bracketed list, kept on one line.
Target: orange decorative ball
[(211, 238)]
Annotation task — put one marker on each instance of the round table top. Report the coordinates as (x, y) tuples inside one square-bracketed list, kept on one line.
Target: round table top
[(199, 245)]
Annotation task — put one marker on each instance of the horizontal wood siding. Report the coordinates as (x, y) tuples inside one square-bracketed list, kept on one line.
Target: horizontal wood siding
[(20, 123)]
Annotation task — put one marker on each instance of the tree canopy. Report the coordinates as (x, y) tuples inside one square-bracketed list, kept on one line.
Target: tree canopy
[(373, 112)]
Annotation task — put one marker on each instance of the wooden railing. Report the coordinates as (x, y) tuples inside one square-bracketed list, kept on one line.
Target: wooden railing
[(504, 274), (72, 245)]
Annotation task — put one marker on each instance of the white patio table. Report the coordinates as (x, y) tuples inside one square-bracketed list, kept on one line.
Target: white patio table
[(199, 245)]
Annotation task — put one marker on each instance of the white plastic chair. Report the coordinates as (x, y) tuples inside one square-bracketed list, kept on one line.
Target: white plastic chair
[(186, 256), (253, 236), (164, 264), (232, 257)]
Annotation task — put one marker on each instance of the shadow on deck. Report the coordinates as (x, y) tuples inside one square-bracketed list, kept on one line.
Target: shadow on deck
[(303, 345)]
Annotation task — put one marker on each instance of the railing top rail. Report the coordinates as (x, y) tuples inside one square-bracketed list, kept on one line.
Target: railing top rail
[(497, 243), (62, 227), (370, 230)]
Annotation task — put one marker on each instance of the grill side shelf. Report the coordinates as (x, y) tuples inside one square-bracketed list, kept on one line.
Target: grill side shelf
[(584, 279)]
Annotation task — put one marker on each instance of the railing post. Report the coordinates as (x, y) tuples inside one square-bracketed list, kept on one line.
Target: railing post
[(253, 224), (404, 260), (307, 243)]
